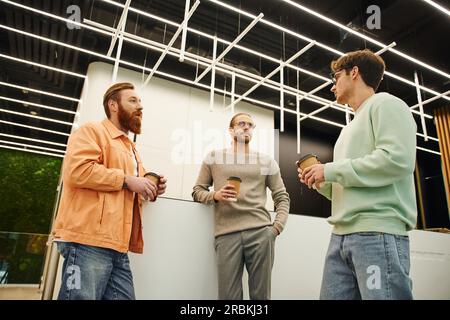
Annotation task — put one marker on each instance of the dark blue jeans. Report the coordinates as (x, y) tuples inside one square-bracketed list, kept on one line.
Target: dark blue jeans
[(368, 266), (94, 273)]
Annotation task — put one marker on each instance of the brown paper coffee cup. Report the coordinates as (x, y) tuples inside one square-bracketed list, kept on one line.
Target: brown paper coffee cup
[(153, 177), (307, 161), (236, 182)]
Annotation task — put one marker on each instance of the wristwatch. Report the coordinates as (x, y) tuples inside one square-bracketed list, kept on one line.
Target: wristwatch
[(125, 185)]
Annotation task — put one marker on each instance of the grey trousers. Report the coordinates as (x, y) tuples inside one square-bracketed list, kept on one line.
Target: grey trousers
[(253, 248)]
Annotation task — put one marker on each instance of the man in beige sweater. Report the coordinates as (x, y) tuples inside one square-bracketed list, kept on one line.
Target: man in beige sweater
[(244, 232)]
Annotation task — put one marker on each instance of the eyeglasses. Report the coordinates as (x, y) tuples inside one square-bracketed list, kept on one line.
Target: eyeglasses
[(333, 75), (242, 124)]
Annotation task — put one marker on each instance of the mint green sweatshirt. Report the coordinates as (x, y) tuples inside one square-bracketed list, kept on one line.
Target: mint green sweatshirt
[(370, 181)]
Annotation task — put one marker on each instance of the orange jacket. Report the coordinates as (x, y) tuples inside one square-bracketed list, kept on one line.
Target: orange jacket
[(94, 209)]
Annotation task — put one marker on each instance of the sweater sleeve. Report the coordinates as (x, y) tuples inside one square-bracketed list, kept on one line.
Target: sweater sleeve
[(394, 155), (201, 191), (326, 190), (279, 195), (83, 163)]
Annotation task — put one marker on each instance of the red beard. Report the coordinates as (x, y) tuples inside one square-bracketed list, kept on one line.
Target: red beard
[(130, 121)]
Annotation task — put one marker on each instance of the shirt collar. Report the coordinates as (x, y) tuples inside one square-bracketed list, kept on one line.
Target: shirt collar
[(114, 132)]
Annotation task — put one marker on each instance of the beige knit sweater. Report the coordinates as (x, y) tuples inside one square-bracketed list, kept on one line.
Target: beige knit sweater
[(257, 171)]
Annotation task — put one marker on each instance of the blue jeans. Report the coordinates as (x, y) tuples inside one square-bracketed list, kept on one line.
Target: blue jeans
[(367, 265), (94, 273)]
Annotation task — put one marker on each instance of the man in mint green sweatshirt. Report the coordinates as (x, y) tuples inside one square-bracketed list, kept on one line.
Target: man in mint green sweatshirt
[(244, 231), (370, 184)]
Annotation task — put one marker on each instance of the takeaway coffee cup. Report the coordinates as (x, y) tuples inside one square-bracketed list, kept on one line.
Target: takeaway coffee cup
[(153, 177), (307, 161), (236, 182)]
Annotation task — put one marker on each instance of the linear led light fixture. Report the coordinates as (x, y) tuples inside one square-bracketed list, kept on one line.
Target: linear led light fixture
[(437, 6), (329, 103), (274, 60), (35, 117), (221, 91), (180, 79), (32, 151), (230, 46), (184, 32), (276, 70), (206, 35), (429, 138), (360, 35), (38, 91), (54, 16), (32, 139), (258, 102), (430, 100), (119, 47), (36, 105), (428, 150), (121, 23), (198, 59), (133, 65), (58, 43), (31, 146), (229, 7), (34, 128), (213, 77), (102, 56), (175, 36), (412, 84), (319, 44), (419, 100), (43, 66), (170, 76), (88, 51)]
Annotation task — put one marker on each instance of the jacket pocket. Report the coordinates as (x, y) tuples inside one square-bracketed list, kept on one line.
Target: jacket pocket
[(101, 210)]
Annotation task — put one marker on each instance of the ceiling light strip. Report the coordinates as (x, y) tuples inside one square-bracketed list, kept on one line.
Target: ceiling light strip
[(367, 38), (276, 70), (175, 36), (68, 21), (38, 91), (437, 6), (319, 44), (42, 66), (35, 117), (230, 46), (204, 34), (139, 67), (27, 103), (184, 31), (429, 138), (419, 100), (34, 128), (32, 151), (32, 146), (330, 103), (428, 150), (121, 23), (430, 100), (31, 139)]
